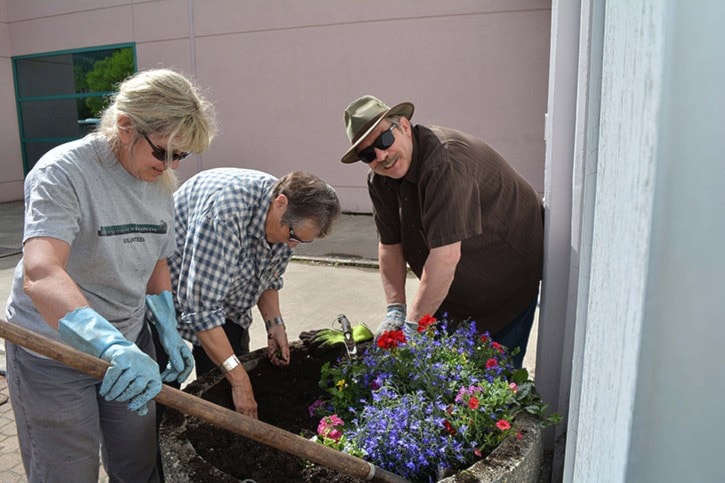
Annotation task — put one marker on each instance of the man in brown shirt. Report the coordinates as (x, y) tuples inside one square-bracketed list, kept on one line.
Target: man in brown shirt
[(468, 225)]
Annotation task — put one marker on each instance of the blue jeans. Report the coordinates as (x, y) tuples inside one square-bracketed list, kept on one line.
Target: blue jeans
[(517, 333)]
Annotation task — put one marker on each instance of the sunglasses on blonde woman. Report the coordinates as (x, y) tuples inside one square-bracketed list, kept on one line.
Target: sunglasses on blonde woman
[(160, 153)]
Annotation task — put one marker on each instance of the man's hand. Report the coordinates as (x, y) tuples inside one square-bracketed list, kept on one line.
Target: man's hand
[(278, 346), (394, 319), (242, 394)]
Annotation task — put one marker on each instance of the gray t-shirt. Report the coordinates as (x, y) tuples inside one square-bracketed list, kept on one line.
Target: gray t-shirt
[(117, 226)]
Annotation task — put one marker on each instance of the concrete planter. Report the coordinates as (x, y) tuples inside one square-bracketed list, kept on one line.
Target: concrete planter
[(515, 460)]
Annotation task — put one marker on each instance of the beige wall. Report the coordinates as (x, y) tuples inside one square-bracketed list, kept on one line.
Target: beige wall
[(11, 164), (282, 72)]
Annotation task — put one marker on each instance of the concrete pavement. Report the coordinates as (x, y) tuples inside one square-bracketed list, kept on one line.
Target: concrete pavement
[(332, 276)]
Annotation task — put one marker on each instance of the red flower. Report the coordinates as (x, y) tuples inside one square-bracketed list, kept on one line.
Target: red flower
[(449, 427), (503, 425), (484, 338), (491, 363), (473, 402), (391, 338), (425, 322), (497, 346)]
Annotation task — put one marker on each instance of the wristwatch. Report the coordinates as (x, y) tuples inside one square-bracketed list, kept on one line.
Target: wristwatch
[(229, 364), (273, 321)]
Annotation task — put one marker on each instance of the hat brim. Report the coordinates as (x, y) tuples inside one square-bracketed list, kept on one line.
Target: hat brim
[(404, 109)]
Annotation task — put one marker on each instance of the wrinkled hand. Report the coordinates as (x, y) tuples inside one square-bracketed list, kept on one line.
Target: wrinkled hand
[(277, 346), (243, 398), (181, 360), (394, 319), (133, 376), (324, 340)]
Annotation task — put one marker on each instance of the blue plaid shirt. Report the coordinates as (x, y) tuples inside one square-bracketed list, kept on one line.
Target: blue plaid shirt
[(223, 262)]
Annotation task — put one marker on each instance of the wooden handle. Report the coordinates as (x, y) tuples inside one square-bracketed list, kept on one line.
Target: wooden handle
[(224, 418)]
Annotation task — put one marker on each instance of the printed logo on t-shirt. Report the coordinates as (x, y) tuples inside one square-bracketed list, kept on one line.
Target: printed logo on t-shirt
[(116, 230)]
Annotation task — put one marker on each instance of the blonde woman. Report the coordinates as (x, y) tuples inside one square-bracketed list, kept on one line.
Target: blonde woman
[(98, 228)]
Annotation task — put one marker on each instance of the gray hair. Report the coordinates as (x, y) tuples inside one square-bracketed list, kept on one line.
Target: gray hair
[(162, 102), (310, 199)]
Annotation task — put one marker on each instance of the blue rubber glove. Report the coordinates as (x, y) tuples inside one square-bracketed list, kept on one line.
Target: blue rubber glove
[(394, 319), (181, 360), (133, 375)]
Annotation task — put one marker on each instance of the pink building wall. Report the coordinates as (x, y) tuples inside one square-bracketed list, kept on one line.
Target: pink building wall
[(281, 72)]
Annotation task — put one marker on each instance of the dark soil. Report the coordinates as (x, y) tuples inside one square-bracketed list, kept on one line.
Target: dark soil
[(283, 397)]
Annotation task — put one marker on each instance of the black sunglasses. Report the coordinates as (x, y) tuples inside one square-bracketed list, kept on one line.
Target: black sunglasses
[(293, 238), (160, 153), (383, 142)]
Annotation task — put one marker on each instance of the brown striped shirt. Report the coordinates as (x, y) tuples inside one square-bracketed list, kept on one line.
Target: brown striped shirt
[(459, 189)]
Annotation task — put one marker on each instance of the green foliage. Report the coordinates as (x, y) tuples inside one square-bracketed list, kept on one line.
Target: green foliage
[(105, 76)]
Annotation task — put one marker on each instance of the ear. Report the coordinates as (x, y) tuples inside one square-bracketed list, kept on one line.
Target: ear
[(280, 201), (405, 125), (125, 128)]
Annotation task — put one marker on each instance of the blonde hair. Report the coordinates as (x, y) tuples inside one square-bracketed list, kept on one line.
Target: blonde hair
[(166, 103)]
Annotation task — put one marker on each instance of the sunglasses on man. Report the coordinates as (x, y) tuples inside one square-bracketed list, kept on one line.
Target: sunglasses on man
[(383, 142), (160, 153), (293, 238)]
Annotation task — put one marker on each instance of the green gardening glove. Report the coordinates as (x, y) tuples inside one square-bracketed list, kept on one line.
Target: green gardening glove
[(324, 340)]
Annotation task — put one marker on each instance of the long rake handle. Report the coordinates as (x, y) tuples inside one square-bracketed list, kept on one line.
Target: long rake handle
[(205, 410)]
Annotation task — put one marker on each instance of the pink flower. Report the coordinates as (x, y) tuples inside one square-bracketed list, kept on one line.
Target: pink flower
[(328, 423), (503, 425), (514, 387), (335, 434)]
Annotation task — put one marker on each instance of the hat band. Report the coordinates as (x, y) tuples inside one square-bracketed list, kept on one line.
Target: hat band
[(363, 130)]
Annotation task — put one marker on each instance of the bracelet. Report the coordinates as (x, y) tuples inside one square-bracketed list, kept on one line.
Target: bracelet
[(274, 321), (229, 364)]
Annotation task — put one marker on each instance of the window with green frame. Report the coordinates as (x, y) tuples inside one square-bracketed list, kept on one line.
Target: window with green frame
[(60, 95)]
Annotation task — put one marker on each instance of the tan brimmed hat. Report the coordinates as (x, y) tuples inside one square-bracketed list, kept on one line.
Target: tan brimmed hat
[(363, 115)]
